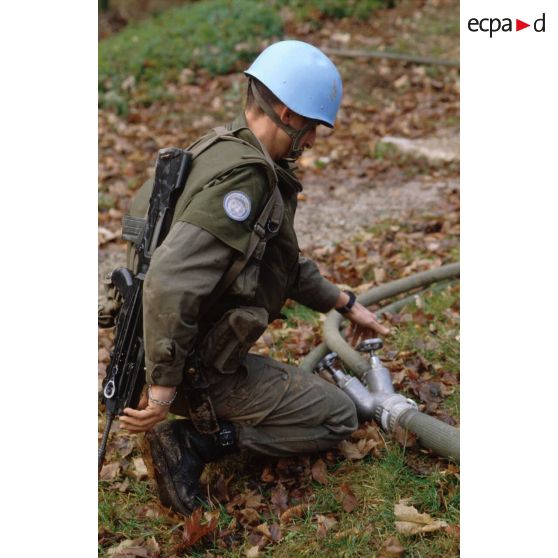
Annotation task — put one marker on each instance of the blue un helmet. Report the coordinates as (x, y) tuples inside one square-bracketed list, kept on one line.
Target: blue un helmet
[(303, 78)]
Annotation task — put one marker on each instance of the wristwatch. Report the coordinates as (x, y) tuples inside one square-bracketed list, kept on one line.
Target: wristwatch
[(349, 305)]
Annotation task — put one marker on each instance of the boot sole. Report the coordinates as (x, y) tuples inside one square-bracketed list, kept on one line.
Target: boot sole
[(161, 472)]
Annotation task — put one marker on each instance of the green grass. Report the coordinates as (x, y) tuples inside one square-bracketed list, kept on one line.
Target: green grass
[(313, 10), (219, 36), (120, 514), (378, 485), (297, 314), (435, 33), (444, 350), (106, 201), (378, 482), (213, 34)]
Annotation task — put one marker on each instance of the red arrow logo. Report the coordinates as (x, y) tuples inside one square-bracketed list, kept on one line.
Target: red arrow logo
[(519, 25)]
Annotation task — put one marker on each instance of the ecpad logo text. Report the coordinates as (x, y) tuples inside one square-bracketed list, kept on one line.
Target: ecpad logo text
[(494, 24)]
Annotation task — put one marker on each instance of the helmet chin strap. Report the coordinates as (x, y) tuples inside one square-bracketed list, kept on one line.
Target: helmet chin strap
[(296, 136)]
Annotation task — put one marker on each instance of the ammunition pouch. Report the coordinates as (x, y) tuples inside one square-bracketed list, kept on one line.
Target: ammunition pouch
[(229, 340)]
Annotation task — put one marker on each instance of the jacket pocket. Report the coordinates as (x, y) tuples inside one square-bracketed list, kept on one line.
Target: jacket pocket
[(229, 340), (246, 284)]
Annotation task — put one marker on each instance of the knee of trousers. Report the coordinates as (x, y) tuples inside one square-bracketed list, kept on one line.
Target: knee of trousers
[(343, 418)]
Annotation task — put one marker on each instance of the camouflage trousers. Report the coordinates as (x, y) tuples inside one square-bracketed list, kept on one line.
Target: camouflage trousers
[(280, 410)]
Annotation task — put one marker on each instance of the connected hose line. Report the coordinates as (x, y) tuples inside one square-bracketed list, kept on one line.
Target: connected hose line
[(432, 433)]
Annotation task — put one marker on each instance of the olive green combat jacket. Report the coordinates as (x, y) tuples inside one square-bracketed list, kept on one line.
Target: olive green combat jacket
[(202, 243)]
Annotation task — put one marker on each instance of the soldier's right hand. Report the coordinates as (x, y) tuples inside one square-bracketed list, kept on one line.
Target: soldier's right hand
[(147, 416), (144, 420)]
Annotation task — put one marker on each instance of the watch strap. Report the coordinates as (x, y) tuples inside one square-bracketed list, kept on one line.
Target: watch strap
[(347, 307)]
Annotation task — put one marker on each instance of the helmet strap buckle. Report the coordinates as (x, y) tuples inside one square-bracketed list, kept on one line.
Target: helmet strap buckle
[(296, 135)]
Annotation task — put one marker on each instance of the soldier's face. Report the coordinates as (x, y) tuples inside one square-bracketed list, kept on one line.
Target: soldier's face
[(298, 123), (309, 138)]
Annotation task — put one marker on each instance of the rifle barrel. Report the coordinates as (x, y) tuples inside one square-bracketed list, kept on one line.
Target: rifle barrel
[(104, 440)]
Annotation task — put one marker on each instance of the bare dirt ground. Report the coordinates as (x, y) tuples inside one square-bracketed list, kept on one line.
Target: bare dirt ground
[(328, 214)]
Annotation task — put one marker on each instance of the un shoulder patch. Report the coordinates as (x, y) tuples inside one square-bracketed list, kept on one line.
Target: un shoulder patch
[(237, 206)]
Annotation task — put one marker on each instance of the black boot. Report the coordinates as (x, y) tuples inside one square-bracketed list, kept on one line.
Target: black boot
[(176, 454)]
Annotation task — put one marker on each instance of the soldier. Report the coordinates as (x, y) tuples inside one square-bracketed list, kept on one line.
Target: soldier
[(227, 266)]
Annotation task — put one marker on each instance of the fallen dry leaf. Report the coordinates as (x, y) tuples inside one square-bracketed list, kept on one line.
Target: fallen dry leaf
[(124, 485), (279, 498), (368, 431), (267, 475), (104, 355), (410, 522), (348, 498), (453, 530), (220, 488), (153, 547), (249, 516), (263, 529), (194, 530), (136, 548), (319, 471), (256, 539), (123, 443), (105, 236), (391, 549), (147, 511), (127, 549), (379, 275), (275, 531), (324, 525), (405, 437), (291, 513), (253, 552), (359, 450), (110, 471), (140, 470), (252, 499), (366, 446)]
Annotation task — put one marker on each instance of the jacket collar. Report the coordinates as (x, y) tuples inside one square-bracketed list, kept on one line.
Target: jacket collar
[(285, 169)]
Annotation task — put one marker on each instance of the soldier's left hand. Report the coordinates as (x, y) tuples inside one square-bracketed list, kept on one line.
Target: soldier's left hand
[(364, 324)]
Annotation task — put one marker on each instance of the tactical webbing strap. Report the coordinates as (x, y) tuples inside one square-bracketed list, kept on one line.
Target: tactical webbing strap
[(222, 132), (266, 226), (132, 227)]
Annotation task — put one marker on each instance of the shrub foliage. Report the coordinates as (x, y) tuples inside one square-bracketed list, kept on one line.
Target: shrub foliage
[(218, 35), (213, 34)]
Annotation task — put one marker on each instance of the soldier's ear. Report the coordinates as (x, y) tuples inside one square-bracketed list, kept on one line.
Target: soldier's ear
[(285, 114)]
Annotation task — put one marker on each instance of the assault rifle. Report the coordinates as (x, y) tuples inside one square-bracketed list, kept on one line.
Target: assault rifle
[(125, 377)]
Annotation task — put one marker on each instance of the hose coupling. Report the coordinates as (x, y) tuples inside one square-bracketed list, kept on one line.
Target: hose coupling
[(388, 411)]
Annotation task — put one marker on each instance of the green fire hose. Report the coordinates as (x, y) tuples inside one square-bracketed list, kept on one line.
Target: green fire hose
[(432, 433)]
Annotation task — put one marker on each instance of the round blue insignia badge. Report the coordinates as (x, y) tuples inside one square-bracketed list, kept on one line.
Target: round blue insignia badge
[(237, 205)]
